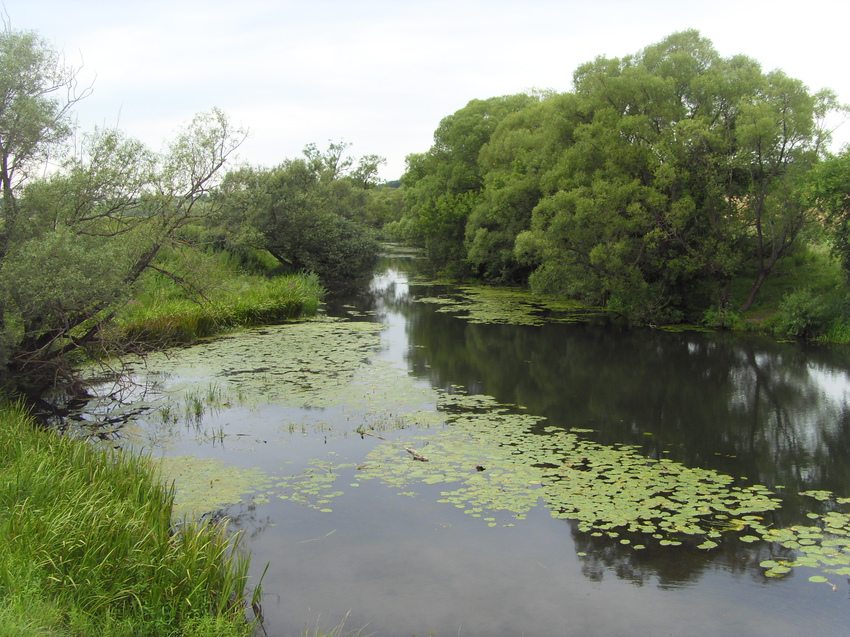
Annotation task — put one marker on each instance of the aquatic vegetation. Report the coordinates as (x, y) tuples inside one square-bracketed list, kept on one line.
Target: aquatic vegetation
[(315, 487), (203, 485), (315, 364), (495, 462), (511, 306), (823, 545), (607, 489)]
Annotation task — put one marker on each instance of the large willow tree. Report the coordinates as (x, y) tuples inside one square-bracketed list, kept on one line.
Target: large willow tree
[(649, 188)]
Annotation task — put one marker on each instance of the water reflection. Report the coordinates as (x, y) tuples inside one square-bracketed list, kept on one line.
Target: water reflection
[(776, 413), (765, 412)]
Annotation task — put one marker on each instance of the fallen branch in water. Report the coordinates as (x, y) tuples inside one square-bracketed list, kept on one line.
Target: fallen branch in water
[(363, 432), (416, 455)]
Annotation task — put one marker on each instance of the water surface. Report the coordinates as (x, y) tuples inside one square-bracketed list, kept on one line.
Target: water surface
[(311, 409)]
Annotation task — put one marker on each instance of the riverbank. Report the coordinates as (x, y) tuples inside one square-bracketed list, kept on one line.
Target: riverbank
[(168, 312), (88, 546), (88, 540), (806, 297)]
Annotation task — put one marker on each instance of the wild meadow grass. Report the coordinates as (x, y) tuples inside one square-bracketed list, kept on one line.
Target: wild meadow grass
[(88, 546), (165, 313)]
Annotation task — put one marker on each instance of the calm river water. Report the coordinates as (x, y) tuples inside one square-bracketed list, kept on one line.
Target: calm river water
[(399, 559)]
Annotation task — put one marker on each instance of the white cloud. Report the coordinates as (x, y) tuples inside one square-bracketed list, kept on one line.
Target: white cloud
[(380, 73)]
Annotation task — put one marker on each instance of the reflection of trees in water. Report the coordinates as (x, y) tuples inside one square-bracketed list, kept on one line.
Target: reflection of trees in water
[(744, 406), (803, 423), (670, 567), (242, 517), (104, 407)]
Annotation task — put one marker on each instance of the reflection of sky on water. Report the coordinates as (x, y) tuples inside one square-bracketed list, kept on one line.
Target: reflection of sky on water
[(834, 384), (389, 288), (408, 565)]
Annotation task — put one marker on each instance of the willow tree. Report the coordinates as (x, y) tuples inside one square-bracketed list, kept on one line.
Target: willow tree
[(37, 94), (679, 177), (442, 186), (89, 231), (304, 213)]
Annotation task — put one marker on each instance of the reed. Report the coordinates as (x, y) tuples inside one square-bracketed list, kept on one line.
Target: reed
[(88, 545)]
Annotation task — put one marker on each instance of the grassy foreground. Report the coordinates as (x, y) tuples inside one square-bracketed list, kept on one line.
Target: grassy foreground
[(87, 546)]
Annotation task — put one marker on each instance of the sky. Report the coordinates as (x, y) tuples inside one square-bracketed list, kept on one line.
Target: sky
[(381, 74)]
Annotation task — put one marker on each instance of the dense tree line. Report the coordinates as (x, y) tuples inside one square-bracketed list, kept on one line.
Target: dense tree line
[(659, 180)]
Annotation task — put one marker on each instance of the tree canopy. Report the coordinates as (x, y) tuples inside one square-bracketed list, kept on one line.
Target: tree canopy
[(74, 243), (661, 178), (307, 213)]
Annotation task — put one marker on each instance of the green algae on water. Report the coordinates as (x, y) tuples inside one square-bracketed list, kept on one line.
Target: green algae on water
[(510, 306), (203, 485)]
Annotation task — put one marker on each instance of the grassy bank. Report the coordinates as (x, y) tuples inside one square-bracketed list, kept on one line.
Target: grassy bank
[(215, 295), (87, 546), (806, 296)]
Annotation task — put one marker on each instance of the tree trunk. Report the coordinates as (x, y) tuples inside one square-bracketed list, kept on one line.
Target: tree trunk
[(751, 297)]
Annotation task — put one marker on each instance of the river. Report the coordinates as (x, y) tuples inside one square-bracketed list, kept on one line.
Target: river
[(533, 436)]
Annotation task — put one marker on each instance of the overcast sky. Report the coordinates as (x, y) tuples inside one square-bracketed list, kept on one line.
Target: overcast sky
[(381, 74)]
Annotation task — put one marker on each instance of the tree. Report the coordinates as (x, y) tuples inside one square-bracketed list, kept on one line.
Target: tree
[(37, 93), (303, 213), (781, 135), (522, 148), (633, 205), (442, 186), (89, 231), (827, 189), (679, 177)]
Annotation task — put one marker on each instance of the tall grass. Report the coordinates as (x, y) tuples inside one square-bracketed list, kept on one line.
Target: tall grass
[(88, 546), (165, 313)]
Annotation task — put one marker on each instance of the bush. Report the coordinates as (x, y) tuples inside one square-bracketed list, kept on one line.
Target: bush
[(805, 314)]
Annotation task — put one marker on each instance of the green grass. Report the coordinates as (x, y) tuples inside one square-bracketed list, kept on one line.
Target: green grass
[(165, 314), (88, 546), (805, 296)]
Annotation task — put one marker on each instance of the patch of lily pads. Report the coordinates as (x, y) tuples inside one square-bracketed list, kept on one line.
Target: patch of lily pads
[(203, 485), (511, 306), (823, 545), (316, 487), (496, 461)]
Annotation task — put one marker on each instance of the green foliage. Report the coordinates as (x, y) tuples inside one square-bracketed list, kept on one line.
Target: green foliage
[(385, 204), (303, 213), (807, 314), (663, 177), (442, 185), (89, 545), (827, 188), (37, 92), (78, 240)]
